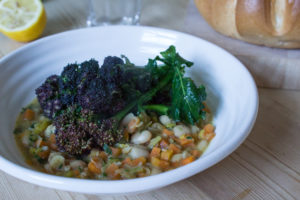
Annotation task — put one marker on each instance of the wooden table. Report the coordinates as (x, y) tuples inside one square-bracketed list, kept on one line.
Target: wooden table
[(265, 166)]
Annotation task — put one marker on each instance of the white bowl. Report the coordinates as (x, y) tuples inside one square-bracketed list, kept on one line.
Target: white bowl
[(232, 95)]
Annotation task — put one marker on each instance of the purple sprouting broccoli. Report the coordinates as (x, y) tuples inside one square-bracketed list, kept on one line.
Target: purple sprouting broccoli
[(104, 94), (59, 92), (48, 96), (77, 131), (76, 78), (68, 84), (101, 98)]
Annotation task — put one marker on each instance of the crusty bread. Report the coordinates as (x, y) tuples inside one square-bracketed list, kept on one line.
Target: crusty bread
[(274, 23)]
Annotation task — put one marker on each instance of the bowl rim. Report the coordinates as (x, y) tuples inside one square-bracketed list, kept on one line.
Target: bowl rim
[(133, 185)]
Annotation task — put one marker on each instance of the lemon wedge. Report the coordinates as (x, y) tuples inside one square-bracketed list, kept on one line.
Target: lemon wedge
[(22, 20)]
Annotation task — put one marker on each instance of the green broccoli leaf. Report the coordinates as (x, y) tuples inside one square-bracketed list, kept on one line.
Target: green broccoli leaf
[(157, 72), (187, 100), (172, 58)]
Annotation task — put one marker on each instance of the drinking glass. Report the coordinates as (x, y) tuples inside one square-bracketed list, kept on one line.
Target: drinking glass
[(109, 12)]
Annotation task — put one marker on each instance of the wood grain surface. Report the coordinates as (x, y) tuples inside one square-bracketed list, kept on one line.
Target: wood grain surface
[(265, 166)]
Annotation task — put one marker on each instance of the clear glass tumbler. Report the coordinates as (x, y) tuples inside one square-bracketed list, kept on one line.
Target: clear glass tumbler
[(109, 12)]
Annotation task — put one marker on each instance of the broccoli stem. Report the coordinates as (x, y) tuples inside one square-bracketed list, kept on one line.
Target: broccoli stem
[(145, 97), (159, 108)]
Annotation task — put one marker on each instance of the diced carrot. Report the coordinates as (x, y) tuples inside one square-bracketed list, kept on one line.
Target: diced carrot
[(155, 152), (139, 160), (209, 135), (94, 167), (166, 155), (196, 153), (52, 142), (175, 164), (44, 154), (76, 172), (209, 128), (29, 114), (165, 165), (43, 143), (186, 141), (115, 151), (53, 146), (111, 170), (174, 148), (103, 155), (168, 132), (52, 139), (135, 162), (163, 144), (127, 161), (96, 159), (187, 160), (162, 164)]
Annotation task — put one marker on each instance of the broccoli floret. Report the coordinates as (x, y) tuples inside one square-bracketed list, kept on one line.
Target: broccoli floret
[(77, 131), (111, 62), (89, 70), (68, 84), (48, 96), (103, 94), (102, 97), (75, 78), (109, 133)]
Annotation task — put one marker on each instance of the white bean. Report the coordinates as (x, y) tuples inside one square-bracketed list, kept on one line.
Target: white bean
[(141, 138), (137, 152), (25, 139), (202, 145), (126, 149), (194, 129), (180, 130), (50, 130), (176, 157), (165, 120), (157, 126), (93, 153), (127, 119), (56, 160), (75, 164), (185, 154), (155, 170)]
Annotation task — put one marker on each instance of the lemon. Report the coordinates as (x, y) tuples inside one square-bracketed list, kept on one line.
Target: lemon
[(22, 20)]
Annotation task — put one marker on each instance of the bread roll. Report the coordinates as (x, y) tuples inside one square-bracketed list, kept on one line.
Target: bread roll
[(274, 23)]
